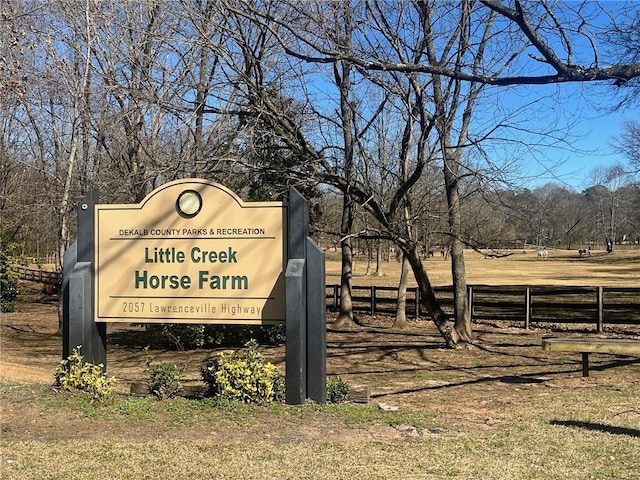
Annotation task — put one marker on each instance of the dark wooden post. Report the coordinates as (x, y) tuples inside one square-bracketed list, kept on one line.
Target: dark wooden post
[(79, 327), (600, 303), (527, 307), (372, 300), (305, 309), (316, 324), (296, 334)]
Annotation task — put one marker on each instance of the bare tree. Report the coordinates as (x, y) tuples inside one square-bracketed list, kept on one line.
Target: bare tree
[(450, 42), (623, 47), (12, 91), (128, 62), (628, 143), (342, 36), (79, 96), (605, 197)]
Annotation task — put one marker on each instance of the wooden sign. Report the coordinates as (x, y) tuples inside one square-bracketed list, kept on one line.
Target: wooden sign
[(190, 252)]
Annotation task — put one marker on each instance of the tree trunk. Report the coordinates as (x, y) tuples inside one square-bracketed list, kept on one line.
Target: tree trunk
[(461, 312), (428, 298), (342, 77), (460, 295), (369, 260), (400, 321), (378, 272), (345, 317)]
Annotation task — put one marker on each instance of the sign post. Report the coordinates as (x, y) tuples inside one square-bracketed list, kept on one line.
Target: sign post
[(78, 326)]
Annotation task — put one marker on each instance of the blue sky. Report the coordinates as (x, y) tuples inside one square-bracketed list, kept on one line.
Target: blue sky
[(550, 133), (595, 134), (587, 110), (580, 125)]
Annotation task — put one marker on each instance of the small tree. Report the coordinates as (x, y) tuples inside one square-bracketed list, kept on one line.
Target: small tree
[(8, 276)]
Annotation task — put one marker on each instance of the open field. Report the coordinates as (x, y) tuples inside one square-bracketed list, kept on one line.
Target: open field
[(562, 267), (503, 409)]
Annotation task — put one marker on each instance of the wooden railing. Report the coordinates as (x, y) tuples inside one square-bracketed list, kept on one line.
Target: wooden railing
[(597, 306), (39, 275)]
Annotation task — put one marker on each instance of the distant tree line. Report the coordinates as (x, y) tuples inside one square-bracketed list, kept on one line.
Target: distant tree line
[(549, 216)]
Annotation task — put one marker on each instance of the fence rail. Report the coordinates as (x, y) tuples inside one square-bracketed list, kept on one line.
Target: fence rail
[(39, 275), (584, 305)]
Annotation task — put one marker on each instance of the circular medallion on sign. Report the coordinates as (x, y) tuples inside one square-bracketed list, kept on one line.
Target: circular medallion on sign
[(189, 204)]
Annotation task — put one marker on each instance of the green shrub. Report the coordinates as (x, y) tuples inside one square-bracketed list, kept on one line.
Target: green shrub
[(74, 373), (337, 390), (239, 335), (274, 334), (187, 337), (164, 379), (244, 376), (227, 335), (8, 277), (183, 337)]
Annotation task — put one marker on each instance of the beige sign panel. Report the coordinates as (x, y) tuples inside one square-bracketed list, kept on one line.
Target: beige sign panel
[(191, 252)]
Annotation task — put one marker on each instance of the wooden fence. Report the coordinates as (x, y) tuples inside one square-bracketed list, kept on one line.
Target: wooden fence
[(40, 276), (596, 306)]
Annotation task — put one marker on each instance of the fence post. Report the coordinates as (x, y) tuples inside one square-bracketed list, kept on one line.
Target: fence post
[(527, 307), (600, 303), (470, 300), (373, 300)]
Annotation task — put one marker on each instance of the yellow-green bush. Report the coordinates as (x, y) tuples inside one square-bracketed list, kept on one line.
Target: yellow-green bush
[(245, 376), (74, 373)]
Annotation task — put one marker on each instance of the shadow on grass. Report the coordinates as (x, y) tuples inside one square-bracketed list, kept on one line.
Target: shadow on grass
[(599, 427), (531, 378), (133, 339), (616, 363), (527, 378)]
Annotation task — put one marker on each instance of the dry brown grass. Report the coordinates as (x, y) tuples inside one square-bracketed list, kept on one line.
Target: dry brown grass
[(503, 409), (561, 268)]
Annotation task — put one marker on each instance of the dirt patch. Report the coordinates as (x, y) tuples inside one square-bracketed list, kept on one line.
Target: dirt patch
[(23, 373)]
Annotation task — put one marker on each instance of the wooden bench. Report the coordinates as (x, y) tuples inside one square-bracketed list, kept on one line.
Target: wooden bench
[(585, 346)]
